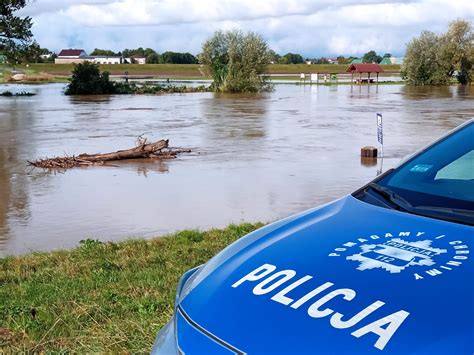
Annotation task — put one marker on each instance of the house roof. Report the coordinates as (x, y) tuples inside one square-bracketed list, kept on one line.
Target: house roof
[(356, 61), (364, 68), (70, 52)]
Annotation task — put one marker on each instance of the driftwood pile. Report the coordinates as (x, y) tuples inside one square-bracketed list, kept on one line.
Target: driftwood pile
[(156, 150)]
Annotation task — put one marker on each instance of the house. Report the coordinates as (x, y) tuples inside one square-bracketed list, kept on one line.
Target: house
[(104, 59), (136, 59), (67, 56), (333, 61)]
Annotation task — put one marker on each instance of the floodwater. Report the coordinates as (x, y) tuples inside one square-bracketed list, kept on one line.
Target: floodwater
[(255, 157)]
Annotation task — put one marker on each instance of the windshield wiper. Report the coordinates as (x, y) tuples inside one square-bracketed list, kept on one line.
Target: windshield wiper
[(444, 213), (391, 196), (450, 214)]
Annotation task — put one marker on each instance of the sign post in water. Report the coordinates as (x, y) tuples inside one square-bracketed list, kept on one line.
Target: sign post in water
[(380, 130)]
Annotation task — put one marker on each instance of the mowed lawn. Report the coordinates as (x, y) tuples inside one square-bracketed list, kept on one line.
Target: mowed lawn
[(100, 297)]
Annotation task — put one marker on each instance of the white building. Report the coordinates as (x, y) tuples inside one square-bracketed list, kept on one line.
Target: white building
[(136, 59), (103, 59)]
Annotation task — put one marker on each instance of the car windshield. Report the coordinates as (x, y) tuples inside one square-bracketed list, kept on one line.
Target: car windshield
[(437, 182)]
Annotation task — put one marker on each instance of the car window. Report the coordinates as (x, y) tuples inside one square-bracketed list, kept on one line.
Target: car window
[(440, 176), (459, 169)]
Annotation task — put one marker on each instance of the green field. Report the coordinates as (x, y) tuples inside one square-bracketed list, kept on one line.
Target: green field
[(98, 298), (171, 70), (188, 71), (319, 68)]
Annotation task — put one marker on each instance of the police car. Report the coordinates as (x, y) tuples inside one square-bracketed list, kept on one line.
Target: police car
[(387, 269)]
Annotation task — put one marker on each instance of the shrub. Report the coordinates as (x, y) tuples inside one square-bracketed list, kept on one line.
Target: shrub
[(88, 80)]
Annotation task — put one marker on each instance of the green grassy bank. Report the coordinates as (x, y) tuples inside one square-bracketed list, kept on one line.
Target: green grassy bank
[(181, 71), (110, 297)]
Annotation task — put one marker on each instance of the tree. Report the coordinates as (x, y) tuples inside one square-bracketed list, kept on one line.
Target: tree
[(422, 64), (434, 60), (236, 61), (283, 60), (15, 32), (387, 55), (106, 52), (457, 50), (177, 58), (29, 54), (371, 57), (88, 80), (153, 58), (274, 57), (343, 60), (293, 58)]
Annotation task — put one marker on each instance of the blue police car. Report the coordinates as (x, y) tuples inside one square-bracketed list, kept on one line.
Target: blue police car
[(387, 269)]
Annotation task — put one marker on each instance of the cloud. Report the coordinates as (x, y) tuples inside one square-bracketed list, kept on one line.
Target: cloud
[(313, 28)]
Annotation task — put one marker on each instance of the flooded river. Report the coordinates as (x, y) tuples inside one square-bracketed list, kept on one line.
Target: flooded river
[(255, 157)]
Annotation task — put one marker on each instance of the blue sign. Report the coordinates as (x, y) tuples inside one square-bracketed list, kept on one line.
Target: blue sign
[(379, 128)]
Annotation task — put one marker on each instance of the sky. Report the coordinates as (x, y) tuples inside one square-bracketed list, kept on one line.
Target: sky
[(312, 28)]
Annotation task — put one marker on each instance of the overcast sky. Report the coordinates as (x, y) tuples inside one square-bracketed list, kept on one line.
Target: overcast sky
[(313, 28)]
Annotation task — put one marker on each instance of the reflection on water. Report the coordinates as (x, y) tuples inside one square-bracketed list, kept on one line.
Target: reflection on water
[(255, 157)]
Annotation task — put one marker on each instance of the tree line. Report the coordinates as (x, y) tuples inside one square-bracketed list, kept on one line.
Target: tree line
[(152, 57), (295, 58)]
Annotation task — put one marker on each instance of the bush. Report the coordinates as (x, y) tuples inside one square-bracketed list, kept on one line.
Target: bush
[(88, 80), (236, 62)]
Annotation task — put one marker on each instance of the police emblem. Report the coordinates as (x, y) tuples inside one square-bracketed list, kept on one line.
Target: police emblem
[(395, 253)]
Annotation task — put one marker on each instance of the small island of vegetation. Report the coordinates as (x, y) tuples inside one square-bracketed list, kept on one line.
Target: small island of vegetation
[(88, 80)]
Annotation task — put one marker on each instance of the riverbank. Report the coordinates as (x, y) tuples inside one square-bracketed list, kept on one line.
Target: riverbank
[(100, 297), (61, 72)]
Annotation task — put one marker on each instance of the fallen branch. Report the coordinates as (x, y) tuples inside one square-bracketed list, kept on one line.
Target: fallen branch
[(156, 150)]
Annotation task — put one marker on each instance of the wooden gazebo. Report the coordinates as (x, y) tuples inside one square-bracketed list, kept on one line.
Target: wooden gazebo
[(365, 68)]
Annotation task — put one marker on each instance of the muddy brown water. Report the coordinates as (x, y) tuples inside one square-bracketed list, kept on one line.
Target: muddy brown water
[(256, 157)]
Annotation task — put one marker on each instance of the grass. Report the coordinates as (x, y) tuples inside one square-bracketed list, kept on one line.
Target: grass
[(161, 70), (59, 73), (99, 297), (319, 68), (180, 71)]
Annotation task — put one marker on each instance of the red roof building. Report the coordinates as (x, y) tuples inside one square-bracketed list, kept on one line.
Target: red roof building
[(364, 68), (72, 53)]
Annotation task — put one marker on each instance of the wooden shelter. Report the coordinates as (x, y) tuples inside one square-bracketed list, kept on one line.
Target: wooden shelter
[(365, 68)]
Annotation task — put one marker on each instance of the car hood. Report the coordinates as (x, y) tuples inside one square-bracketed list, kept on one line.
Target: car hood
[(347, 277)]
